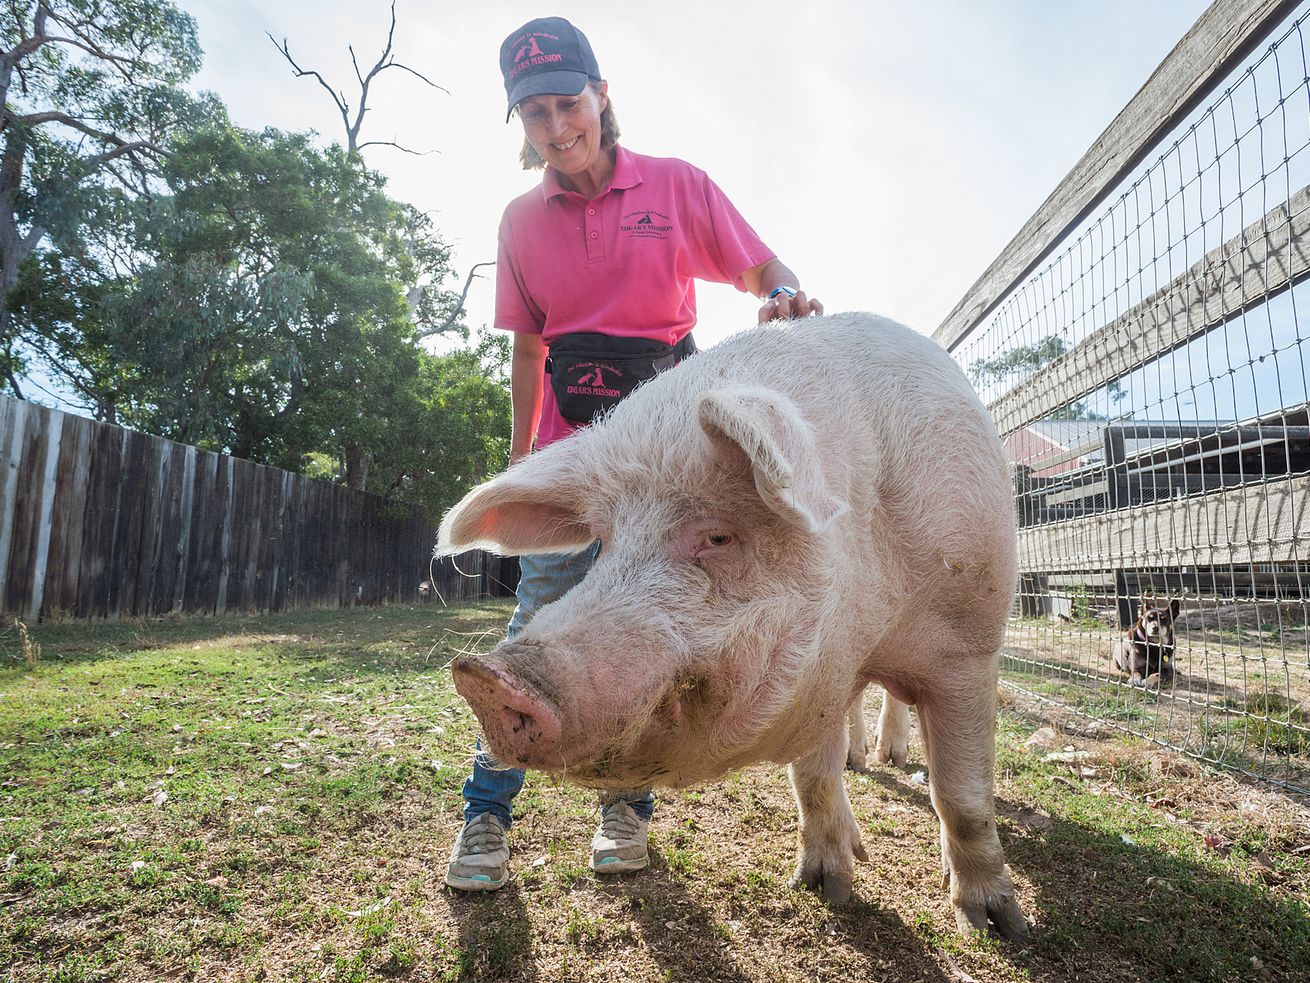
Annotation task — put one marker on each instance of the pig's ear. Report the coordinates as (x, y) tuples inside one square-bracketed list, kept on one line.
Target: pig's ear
[(528, 509), (780, 446)]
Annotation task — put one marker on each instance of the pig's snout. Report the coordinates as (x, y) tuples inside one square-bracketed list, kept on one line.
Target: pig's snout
[(522, 729)]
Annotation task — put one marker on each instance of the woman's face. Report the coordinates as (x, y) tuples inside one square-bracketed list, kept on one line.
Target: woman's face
[(565, 130)]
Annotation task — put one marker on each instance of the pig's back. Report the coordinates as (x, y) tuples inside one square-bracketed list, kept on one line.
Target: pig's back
[(903, 437)]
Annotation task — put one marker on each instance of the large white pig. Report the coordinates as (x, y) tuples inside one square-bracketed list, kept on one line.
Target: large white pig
[(800, 511)]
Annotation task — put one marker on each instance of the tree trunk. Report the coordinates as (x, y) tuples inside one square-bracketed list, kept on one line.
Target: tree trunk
[(357, 462), (12, 241)]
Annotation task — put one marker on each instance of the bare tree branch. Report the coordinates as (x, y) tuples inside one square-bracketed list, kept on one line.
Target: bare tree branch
[(385, 60), (459, 308), (418, 75), (392, 143), (340, 100)]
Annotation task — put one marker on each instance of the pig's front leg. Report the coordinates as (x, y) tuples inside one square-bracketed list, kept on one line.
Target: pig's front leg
[(829, 838), (958, 726), (893, 740), (857, 744)]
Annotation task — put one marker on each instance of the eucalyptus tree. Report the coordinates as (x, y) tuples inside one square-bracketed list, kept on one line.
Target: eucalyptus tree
[(91, 91)]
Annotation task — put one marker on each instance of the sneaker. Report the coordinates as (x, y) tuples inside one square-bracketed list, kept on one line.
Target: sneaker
[(479, 860), (620, 843)]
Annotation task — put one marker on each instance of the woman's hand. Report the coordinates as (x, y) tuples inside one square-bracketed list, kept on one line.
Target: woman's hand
[(785, 306), (788, 300)]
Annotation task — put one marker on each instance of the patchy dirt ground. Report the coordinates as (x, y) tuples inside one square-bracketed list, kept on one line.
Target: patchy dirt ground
[(274, 798), (1240, 695)]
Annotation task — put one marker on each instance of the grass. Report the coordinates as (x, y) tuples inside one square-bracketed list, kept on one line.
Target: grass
[(274, 798)]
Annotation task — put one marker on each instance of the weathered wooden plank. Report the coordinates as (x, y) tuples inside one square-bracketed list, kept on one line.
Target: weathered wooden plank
[(103, 491), (252, 541), (186, 506), (302, 488), (310, 530), (1266, 258), (159, 454), (153, 526), (269, 479), (133, 492), (12, 414), (172, 532), (1224, 35), (63, 569), (243, 495), (199, 585), (207, 522), (344, 523), (1261, 523), (45, 520), (227, 550), (33, 440)]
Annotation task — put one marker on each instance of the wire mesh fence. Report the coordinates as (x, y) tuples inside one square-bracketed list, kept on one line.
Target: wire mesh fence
[(1149, 380)]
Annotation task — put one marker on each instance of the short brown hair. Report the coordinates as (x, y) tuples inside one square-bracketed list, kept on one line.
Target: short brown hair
[(609, 134)]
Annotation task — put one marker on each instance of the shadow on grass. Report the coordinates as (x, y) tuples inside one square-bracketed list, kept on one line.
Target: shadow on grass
[(1110, 908), (690, 943), (495, 935)]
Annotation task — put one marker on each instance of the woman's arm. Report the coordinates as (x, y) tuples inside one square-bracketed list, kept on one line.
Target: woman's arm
[(525, 386), (763, 279)]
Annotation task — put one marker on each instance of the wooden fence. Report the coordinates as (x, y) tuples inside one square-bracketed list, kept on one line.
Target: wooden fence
[(101, 522)]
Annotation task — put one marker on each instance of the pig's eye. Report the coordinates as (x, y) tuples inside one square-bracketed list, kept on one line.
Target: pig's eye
[(719, 538)]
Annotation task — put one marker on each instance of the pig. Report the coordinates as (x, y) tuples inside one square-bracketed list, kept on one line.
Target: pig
[(800, 511)]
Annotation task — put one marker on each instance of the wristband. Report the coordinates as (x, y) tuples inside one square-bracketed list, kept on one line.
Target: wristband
[(781, 289)]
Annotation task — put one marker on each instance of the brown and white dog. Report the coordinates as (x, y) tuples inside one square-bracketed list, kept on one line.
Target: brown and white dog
[(1145, 652)]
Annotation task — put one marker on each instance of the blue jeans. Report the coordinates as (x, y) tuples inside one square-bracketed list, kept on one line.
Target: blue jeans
[(542, 579)]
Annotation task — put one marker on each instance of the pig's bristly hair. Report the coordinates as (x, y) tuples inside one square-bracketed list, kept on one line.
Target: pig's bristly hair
[(780, 446)]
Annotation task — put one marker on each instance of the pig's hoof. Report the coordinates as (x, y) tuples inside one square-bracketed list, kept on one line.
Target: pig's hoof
[(888, 748), (1003, 912), (834, 882), (833, 875), (857, 758)]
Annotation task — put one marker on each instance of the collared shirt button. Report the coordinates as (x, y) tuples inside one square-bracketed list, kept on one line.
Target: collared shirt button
[(591, 211), (595, 235)]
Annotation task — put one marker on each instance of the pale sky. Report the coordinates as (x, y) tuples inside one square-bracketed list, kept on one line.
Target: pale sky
[(887, 151)]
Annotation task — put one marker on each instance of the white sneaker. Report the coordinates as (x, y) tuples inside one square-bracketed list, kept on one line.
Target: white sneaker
[(620, 843), (479, 860)]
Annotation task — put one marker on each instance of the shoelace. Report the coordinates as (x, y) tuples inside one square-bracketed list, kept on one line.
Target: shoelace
[(483, 837), (618, 823)]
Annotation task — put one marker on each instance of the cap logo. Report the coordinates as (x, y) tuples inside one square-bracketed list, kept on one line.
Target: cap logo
[(528, 50), (530, 54)]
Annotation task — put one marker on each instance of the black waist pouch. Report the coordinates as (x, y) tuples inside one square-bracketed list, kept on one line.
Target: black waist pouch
[(591, 372)]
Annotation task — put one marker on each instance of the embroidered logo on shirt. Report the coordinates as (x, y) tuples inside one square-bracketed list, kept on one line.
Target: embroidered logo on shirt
[(646, 224)]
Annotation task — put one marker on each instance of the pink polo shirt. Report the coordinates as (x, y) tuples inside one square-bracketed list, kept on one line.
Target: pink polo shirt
[(623, 263)]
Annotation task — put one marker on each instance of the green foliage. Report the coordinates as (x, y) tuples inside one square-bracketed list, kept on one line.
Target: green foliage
[(455, 432), (92, 92), (246, 292), (1022, 360)]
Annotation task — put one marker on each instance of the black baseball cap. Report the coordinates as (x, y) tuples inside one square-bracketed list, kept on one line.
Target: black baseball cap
[(546, 56)]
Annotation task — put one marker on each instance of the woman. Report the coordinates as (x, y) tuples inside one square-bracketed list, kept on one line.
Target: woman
[(600, 260)]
